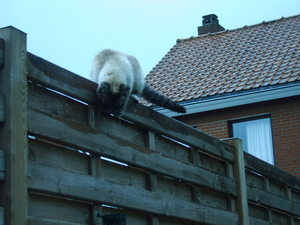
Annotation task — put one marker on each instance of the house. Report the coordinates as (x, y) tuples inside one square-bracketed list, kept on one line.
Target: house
[(243, 82)]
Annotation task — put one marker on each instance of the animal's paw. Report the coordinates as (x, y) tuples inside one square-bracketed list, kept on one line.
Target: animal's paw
[(135, 99), (118, 113)]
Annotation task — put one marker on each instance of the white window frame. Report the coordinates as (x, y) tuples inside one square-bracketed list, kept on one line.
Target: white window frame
[(259, 131)]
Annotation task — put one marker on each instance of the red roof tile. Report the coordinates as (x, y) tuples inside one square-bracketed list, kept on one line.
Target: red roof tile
[(233, 60)]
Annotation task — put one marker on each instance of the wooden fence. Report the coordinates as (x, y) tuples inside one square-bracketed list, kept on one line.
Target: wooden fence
[(57, 151)]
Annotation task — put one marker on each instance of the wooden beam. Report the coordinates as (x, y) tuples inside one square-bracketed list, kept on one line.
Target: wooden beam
[(239, 174), (271, 172), (2, 109), (274, 201), (63, 183), (87, 139), (13, 133), (57, 78), (163, 125)]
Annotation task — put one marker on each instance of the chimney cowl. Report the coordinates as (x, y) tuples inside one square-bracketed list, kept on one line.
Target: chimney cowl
[(210, 24), (209, 19)]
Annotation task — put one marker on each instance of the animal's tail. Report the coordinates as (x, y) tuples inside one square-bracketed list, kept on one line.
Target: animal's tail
[(158, 99)]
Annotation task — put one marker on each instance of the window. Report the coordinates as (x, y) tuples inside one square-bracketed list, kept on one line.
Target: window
[(256, 134)]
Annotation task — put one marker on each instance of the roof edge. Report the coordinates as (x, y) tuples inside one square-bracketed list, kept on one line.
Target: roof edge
[(235, 99), (227, 30)]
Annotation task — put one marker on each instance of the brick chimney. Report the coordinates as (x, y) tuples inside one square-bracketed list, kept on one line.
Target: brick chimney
[(210, 24)]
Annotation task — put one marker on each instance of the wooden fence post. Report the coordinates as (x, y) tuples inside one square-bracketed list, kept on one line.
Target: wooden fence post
[(13, 132), (151, 178), (240, 177), (2, 63), (2, 109), (2, 55)]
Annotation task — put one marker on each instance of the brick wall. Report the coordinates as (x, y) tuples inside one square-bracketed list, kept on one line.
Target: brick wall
[(285, 117)]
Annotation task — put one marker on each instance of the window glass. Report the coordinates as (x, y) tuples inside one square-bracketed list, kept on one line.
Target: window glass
[(257, 137)]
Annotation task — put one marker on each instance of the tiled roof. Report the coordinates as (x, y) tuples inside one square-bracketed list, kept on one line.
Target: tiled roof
[(251, 57)]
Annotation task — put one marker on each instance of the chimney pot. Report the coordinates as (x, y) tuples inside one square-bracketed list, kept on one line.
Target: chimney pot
[(209, 19), (210, 24)]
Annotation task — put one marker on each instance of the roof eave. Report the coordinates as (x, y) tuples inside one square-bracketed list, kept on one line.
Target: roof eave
[(235, 99)]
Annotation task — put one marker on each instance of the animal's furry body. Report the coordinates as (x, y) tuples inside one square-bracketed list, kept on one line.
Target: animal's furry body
[(120, 77)]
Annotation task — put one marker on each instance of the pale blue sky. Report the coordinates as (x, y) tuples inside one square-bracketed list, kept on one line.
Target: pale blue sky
[(70, 32)]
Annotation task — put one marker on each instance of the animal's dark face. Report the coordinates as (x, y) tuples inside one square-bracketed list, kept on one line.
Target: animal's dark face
[(112, 103)]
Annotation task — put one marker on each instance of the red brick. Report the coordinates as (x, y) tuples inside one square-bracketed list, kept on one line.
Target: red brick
[(285, 117)]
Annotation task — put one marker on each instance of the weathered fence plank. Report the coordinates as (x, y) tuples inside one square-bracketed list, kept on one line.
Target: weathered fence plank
[(63, 183), (273, 201), (295, 195), (212, 199), (122, 174), (13, 84), (255, 221), (212, 164), (56, 104), (56, 156), (173, 188), (54, 77), (87, 139), (171, 148), (48, 210), (178, 131), (2, 53), (270, 171), (66, 108), (2, 109), (2, 165), (58, 79)]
